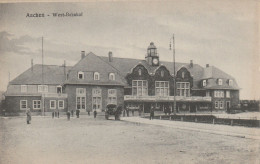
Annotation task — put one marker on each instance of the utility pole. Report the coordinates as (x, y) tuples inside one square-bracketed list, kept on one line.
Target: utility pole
[(174, 74)]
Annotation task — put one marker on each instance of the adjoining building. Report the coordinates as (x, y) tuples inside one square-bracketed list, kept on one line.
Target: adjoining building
[(96, 81)]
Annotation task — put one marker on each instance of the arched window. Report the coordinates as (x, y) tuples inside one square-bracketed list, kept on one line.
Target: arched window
[(96, 76), (230, 82), (162, 73), (183, 74), (140, 72), (204, 83), (219, 81), (112, 76), (80, 75)]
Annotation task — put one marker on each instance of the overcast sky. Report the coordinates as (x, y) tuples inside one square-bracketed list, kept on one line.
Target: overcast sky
[(219, 33)]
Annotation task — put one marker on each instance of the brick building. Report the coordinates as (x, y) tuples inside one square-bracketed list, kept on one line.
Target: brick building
[(96, 81)]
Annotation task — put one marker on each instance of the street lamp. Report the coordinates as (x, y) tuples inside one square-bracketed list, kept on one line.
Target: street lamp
[(174, 74)]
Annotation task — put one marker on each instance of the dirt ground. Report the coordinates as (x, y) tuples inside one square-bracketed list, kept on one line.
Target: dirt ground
[(86, 140)]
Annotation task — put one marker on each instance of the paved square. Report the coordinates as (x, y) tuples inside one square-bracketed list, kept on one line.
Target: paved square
[(86, 140)]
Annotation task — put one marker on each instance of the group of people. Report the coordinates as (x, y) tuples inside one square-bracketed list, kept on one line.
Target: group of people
[(77, 113)]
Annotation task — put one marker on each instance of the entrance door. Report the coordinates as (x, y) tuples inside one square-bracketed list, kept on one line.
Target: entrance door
[(81, 104)]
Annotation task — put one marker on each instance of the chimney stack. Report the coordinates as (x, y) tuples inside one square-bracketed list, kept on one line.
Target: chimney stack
[(32, 65), (191, 63), (207, 65), (110, 56), (82, 54)]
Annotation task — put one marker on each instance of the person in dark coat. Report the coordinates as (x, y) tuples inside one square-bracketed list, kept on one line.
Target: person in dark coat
[(77, 113), (88, 112), (52, 114), (58, 114), (68, 115), (152, 113), (28, 116), (95, 113), (127, 112)]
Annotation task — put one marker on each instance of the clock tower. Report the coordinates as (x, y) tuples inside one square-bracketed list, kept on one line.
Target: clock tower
[(152, 57)]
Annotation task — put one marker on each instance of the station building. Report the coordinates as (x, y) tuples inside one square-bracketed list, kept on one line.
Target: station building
[(96, 81)]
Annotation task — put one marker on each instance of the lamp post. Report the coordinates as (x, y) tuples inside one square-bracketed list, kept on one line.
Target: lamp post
[(174, 74)]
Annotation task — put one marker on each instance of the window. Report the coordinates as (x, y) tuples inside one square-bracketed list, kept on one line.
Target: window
[(80, 75), (96, 76), (80, 98), (52, 104), (228, 94), (23, 88), (112, 98), (230, 82), (162, 88), (139, 72), (219, 81), (139, 87), (59, 89), (218, 93), (23, 104), (36, 104), (183, 75), (60, 104), (96, 99), (183, 89), (216, 104), (162, 73), (112, 76), (42, 88), (221, 104), (80, 91), (204, 83)]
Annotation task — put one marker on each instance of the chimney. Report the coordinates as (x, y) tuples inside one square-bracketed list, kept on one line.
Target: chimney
[(207, 65), (32, 65), (191, 63), (110, 56), (82, 54), (64, 65)]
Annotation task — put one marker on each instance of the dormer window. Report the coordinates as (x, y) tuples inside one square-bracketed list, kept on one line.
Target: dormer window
[(204, 83), (80, 75), (219, 81), (59, 89), (96, 76), (230, 82), (112, 76), (140, 72)]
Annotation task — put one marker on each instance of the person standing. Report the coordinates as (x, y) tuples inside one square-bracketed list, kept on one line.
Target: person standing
[(68, 115), (152, 113), (77, 113), (53, 114), (28, 116), (95, 114), (88, 112)]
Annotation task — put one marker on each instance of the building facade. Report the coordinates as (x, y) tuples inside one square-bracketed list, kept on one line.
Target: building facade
[(96, 81)]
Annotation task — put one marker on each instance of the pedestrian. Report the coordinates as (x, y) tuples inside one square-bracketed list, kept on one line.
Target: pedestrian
[(95, 114), (58, 114), (68, 115), (28, 115), (88, 112), (52, 114), (151, 113), (127, 112), (77, 113)]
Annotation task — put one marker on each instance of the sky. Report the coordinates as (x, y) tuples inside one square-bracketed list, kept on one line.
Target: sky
[(220, 33)]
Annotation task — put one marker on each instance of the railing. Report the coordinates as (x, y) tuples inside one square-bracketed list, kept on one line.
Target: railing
[(167, 98)]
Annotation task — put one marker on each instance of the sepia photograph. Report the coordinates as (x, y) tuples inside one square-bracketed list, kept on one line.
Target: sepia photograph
[(130, 82)]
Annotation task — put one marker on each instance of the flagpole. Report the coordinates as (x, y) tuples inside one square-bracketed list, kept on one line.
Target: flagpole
[(174, 74), (43, 112)]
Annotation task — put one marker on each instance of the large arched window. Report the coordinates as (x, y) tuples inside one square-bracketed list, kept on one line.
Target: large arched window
[(112, 76), (96, 76)]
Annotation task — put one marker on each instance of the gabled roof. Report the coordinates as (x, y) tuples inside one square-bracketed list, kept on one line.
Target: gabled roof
[(53, 74), (88, 65)]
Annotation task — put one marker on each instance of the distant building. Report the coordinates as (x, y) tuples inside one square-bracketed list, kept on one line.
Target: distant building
[(96, 81)]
